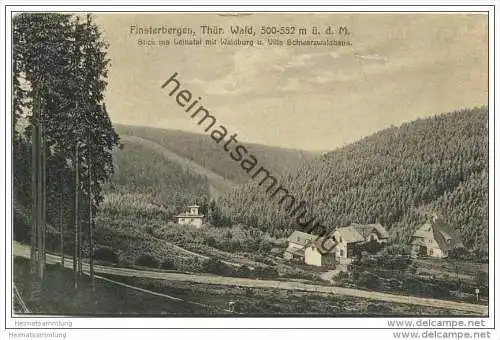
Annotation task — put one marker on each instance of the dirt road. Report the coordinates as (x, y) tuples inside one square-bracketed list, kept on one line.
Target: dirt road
[(24, 251)]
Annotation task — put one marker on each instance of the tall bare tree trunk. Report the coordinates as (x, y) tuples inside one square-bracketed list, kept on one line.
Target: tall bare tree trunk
[(35, 150), (43, 205), (91, 223), (80, 253), (77, 221), (61, 228)]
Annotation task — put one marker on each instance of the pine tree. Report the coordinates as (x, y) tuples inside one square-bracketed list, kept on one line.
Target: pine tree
[(60, 67)]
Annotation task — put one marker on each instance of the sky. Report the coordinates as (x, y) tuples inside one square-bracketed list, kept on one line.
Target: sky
[(400, 67)]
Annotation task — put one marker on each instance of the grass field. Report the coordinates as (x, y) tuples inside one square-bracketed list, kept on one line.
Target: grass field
[(59, 298), (263, 302), (444, 279)]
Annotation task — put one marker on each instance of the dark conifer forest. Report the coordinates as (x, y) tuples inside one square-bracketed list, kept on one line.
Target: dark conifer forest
[(398, 177)]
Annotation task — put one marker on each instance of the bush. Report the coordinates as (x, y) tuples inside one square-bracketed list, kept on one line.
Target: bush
[(378, 308), (269, 262), (216, 266), (481, 256), (125, 263), (147, 261), (235, 245), (106, 254), (21, 228), (342, 276), (244, 271), (368, 280), (394, 262), (460, 254), (426, 287), (393, 284), (371, 247), (269, 272), (211, 242), (482, 282), (396, 249), (188, 264), (167, 264), (412, 269)]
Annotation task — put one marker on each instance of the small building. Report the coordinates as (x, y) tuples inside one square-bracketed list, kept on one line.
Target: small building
[(339, 247), (320, 253), (372, 232), (190, 217), (434, 239), (309, 249), (350, 237), (297, 243), (347, 239)]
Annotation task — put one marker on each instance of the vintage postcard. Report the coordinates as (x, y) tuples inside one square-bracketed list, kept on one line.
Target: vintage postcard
[(230, 166)]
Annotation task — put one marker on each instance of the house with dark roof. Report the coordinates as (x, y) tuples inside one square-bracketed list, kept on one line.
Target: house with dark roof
[(354, 235), (434, 239), (372, 232)]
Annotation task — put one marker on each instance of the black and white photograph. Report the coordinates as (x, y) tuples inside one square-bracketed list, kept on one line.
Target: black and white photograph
[(237, 165)]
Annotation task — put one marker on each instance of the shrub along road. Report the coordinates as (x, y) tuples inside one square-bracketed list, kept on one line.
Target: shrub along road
[(24, 251)]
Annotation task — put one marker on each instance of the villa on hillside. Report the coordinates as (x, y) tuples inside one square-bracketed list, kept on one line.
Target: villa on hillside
[(190, 217), (434, 239)]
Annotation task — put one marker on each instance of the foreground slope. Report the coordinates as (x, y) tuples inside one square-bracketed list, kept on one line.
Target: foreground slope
[(396, 177)]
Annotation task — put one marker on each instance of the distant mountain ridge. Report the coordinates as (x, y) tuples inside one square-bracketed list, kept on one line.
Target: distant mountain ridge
[(396, 176), (174, 168), (218, 184), (201, 149)]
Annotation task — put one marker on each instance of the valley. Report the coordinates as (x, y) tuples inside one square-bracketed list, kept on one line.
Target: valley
[(244, 234)]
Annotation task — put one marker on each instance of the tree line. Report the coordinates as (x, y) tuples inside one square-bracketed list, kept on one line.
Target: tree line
[(62, 134)]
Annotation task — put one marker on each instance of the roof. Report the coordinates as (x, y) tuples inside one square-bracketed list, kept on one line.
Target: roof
[(294, 251), (446, 236), (447, 242), (324, 245), (417, 241), (382, 232), (350, 234), (424, 231), (184, 215), (301, 238), (366, 229), (193, 206)]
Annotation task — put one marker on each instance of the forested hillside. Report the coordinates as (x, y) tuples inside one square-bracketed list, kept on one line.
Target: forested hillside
[(396, 177), (145, 174), (203, 150), (153, 166)]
